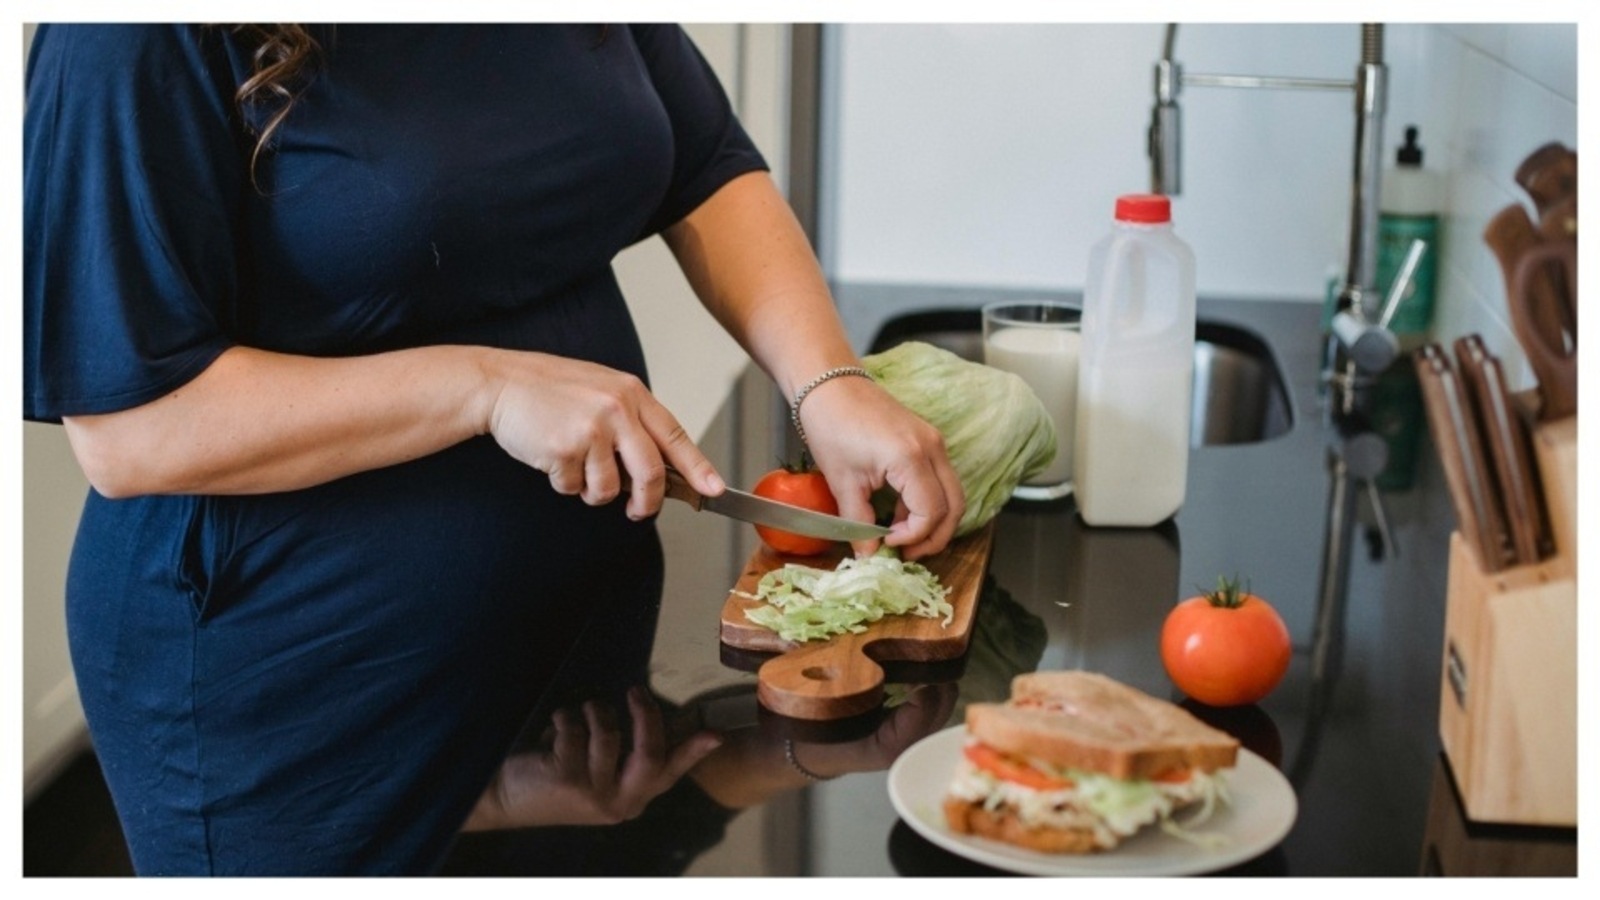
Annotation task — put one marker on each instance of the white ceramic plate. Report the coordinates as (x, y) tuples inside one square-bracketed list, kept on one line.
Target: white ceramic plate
[(1262, 810)]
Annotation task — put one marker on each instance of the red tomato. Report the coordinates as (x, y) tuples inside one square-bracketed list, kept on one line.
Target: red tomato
[(1225, 648), (806, 488), (1007, 768)]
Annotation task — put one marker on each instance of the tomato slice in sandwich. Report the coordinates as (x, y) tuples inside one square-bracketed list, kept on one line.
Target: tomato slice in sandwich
[(1009, 768)]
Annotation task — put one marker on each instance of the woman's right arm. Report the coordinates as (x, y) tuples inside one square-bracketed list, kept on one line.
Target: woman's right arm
[(256, 421)]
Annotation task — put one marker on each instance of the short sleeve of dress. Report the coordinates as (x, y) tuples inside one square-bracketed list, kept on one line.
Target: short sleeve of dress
[(710, 146), (133, 182)]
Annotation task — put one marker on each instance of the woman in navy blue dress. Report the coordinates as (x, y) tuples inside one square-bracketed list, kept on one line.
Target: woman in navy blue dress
[(345, 363)]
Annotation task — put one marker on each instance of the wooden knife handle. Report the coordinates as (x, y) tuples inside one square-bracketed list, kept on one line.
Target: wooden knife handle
[(1549, 175), (1537, 320), (1507, 447), (1560, 223), (1511, 236), (678, 489), (1525, 490), (1450, 427), (1472, 384)]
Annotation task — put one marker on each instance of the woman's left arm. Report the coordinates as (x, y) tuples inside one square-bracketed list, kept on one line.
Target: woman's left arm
[(749, 261)]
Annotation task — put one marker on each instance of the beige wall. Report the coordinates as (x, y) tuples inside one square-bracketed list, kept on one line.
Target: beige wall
[(692, 360), (52, 493)]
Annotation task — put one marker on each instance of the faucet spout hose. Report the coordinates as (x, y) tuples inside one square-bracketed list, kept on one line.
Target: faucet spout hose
[(1371, 44), (1166, 123), (1164, 149), (1371, 101), (1162, 141)]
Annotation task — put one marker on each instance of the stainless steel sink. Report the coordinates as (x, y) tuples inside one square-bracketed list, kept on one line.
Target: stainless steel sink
[(1239, 394)]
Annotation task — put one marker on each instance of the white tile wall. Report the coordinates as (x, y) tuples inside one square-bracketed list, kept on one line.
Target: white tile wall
[(990, 154), (1495, 93)]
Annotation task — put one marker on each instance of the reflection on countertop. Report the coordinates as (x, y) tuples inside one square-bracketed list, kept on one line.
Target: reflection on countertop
[(1354, 724)]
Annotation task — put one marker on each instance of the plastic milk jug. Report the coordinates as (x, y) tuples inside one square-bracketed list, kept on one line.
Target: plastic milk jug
[(1131, 452)]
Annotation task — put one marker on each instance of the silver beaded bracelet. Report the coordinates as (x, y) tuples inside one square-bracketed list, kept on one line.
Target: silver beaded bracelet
[(788, 754), (813, 384)]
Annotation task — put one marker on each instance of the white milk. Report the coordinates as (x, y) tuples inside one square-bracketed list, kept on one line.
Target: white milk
[(1131, 463), (1047, 359), (1133, 435)]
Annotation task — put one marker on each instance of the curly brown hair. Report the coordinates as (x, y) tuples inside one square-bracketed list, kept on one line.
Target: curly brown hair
[(283, 59)]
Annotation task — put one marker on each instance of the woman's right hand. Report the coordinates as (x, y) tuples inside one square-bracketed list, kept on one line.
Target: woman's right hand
[(576, 421), (587, 775)]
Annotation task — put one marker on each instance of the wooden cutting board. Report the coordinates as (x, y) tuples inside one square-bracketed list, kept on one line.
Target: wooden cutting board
[(841, 677)]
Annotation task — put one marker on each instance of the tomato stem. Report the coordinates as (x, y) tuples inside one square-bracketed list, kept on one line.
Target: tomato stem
[(1228, 594), (804, 465)]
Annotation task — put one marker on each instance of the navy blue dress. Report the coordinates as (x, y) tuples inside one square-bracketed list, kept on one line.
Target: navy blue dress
[(322, 680)]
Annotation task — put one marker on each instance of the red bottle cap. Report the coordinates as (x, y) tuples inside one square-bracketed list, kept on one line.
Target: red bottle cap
[(1145, 208)]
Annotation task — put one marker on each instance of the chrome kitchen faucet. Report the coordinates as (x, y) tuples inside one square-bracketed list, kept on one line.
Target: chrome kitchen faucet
[(1344, 370), (1360, 345)]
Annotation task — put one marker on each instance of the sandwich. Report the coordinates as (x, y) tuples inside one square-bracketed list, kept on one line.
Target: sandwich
[(1076, 762)]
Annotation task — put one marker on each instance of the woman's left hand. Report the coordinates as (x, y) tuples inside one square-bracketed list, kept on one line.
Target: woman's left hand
[(750, 263), (863, 439)]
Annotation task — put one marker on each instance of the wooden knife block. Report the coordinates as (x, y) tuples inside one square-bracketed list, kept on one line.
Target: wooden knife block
[(1508, 711)]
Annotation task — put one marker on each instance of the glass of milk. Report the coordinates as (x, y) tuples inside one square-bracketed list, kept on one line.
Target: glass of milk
[(1039, 341)]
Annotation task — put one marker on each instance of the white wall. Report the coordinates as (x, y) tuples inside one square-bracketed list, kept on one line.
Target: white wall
[(992, 154), (1497, 92)]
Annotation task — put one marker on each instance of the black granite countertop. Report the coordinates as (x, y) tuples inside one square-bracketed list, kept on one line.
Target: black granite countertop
[(1353, 726)]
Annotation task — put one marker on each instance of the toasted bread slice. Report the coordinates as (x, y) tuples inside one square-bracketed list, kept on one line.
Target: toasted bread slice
[(965, 817), (1087, 721)]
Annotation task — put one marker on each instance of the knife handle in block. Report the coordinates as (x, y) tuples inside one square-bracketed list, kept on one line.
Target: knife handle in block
[(1512, 237), (1537, 318), (1508, 448), (1549, 175), (1459, 451)]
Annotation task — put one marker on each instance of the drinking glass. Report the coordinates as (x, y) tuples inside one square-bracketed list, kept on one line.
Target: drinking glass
[(1039, 340)]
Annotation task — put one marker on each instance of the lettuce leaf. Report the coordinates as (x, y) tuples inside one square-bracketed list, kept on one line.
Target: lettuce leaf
[(996, 430)]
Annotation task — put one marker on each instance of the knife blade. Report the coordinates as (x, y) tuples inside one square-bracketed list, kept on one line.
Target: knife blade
[(1453, 434), (759, 510), (1508, 447)]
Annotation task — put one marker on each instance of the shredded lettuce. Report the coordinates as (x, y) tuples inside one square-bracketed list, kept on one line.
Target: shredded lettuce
[(1115, 808), (1126, 805), (1213, 791), (803, 603)]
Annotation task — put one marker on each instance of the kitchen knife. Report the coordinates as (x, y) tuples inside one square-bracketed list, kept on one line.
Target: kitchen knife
[(1508, 447), (761, 511), (1453, 431)]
